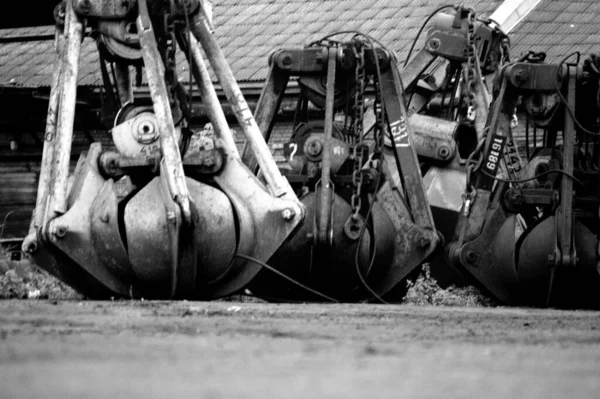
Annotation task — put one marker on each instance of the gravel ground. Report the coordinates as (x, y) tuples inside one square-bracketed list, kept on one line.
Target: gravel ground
[(142, 349)]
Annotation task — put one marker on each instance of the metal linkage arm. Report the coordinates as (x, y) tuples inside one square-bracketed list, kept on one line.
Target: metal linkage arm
[(155, 71), (277, 184), (324, 228), (30, 243), (267, 107), (66, 112), (406, 157)]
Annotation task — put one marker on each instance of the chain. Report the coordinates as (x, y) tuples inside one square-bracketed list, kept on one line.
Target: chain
[(471, 70), (469, 77), (472, 165), (378, 134), (357, 152)]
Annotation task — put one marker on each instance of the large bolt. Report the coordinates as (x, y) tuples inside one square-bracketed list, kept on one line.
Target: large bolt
[(31, 247), (434, 44), (60, 231), (472, 258), (423, 242), (444, 151), (286, 61), (288, 214), (521, 76), (314, 148)]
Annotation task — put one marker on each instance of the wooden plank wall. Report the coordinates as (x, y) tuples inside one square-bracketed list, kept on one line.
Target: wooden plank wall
[(17, 200)]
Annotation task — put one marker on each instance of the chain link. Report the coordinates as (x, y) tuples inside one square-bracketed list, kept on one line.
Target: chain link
[(357, 151), (471, 70)]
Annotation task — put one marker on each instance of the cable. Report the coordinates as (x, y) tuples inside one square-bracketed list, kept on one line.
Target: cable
[(347, 32), (414, 43), (4, 223), (371, 42), (379, 173), (576, 180), (285, 276), (372, 260), (564, 100)]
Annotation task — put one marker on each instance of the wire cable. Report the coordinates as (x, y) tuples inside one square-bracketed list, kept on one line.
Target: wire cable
[(564, 100), (371, 41), (288, 278), (515, 181), (379, 172)]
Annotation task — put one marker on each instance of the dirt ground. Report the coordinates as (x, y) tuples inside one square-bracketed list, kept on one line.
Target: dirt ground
[(141, 349)]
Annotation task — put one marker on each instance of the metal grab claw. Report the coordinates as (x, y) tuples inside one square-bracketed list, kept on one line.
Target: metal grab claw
[(166, 236)]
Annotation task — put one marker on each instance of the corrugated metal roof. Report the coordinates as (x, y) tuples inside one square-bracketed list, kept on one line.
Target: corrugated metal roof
[(247, 30), (559, 27)]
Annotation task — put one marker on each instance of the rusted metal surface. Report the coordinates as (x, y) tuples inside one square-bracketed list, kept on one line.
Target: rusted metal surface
[(415, 68), (175, 176), (256, 210), (433, 138), (324, 224), (413, 242), (124, 83), (405, 155), (564, 254), (66, 112), (46, 169), (105, 235), (148, 234), (155, 240), (71, 232), (490, 256), (334, 271), (138, 135)]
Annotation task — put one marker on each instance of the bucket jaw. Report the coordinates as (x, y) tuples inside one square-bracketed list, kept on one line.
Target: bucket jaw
[(170, 212), (368, 223), (529, 233)]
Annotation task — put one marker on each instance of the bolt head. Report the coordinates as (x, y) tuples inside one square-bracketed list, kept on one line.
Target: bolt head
[(209, 161), (314, 147), (60, 231), (286, 60), (434, 44), (443, 152), (472, 258), (288, 214), (31, 247)]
